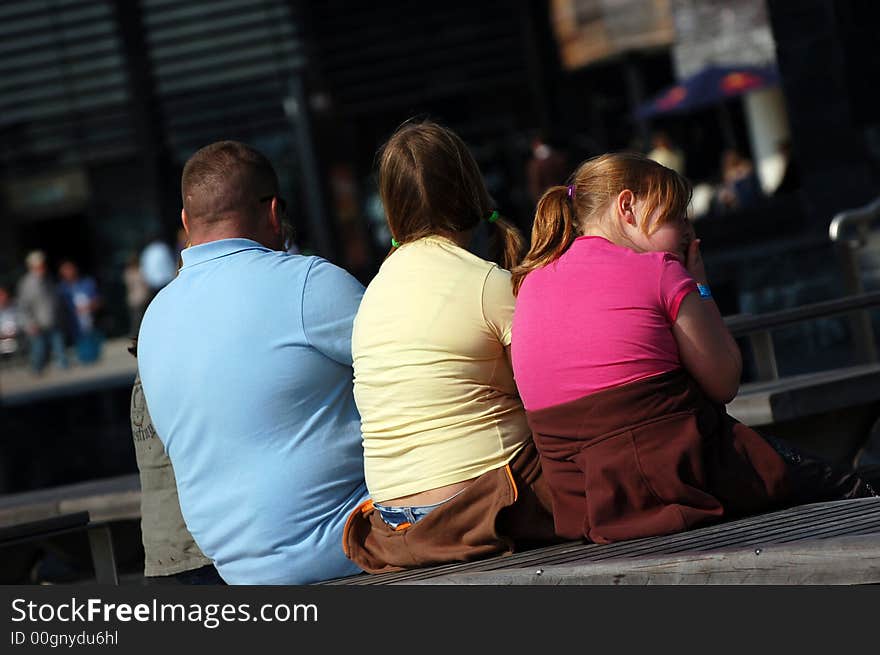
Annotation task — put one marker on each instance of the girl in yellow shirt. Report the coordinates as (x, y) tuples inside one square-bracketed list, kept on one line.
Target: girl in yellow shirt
[(449, 460)]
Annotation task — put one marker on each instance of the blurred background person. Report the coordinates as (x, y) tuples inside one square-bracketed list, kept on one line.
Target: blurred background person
[(665, 153), (171, 555), (158, 266), (9, 325), (82, 300), (137, 293), (739, 187), (701, 200), (547, 167), (40, 309)]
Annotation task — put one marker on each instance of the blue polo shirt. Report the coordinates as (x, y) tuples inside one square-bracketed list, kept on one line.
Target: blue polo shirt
[(245, 359)]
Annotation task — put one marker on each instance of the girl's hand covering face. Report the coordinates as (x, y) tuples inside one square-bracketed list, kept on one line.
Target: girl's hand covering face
[(688, 237), (694, 262)]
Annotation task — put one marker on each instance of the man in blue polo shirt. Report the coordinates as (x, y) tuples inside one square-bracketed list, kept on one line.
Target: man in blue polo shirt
[(245, 359)]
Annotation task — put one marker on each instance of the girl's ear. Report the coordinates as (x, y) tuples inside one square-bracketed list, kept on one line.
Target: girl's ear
[(625, 207)]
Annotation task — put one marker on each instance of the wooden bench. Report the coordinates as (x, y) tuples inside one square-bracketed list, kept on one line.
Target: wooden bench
[(846, 399), (828, 543), (823, 543), (108, 499), (90, 507)]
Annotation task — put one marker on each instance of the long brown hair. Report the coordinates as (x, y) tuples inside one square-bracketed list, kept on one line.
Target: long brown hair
[(564, 211), (430, 184)]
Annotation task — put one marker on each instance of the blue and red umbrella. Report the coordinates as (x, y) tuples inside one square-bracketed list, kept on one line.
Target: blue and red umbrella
[(710, 86)]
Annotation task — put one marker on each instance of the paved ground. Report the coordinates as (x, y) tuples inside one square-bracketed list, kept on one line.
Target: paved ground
[(18, 384)]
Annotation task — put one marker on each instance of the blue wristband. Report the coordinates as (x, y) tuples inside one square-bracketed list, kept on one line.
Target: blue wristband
[(704, 290)]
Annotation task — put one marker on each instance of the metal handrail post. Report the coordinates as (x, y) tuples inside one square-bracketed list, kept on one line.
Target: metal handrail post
[(859, 321), (765, 356)]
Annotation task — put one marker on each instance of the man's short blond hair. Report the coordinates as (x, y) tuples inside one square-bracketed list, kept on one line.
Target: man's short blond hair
[(226, 180)]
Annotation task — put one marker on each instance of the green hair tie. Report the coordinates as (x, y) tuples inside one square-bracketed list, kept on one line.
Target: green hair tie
[(493, 216), (395, 243)]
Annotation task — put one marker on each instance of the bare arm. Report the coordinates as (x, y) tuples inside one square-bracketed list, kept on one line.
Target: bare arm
[(707, 349)]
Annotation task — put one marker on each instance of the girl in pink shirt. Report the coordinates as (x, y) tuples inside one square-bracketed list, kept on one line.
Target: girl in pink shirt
[(624, 364)]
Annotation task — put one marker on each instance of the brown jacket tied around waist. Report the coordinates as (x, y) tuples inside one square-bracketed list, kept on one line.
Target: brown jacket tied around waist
[(503, 510), (656, 456)]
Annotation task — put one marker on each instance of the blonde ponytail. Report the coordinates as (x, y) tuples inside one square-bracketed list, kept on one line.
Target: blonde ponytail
[(565, 212), (554, 230)]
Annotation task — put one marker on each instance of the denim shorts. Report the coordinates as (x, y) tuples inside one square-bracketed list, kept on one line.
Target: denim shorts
[(400, 516)]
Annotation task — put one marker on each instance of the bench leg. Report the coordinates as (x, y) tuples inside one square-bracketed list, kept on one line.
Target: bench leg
[(103, 557), (765, 356)]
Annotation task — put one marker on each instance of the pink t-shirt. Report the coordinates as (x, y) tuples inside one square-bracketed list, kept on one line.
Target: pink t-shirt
[(598, 317)]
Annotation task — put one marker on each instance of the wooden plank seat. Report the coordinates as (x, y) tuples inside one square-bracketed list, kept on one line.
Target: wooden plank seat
[(823, 543), (797, 396), (826, 405), (107, 499), (90, 507), (830, 413)]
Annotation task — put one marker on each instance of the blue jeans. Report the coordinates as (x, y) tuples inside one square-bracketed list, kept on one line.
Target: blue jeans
[(396, 516), (40, 344)]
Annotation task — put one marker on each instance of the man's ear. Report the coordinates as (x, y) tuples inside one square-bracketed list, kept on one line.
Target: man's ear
[(185, 221), (625, 207), (275, 216)]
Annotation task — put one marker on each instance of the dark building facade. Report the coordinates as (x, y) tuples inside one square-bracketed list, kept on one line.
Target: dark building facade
[(104, 100), (828, 61), (101, 102)]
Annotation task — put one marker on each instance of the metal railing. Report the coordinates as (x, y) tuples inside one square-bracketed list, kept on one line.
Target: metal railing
[(758, 327), (856, 304), (861, 218)]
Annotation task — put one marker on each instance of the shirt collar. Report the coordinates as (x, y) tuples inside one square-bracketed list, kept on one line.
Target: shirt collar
[(214, 249)]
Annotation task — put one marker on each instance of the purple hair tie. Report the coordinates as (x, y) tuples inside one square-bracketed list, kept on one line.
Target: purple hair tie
[(571, 191)]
